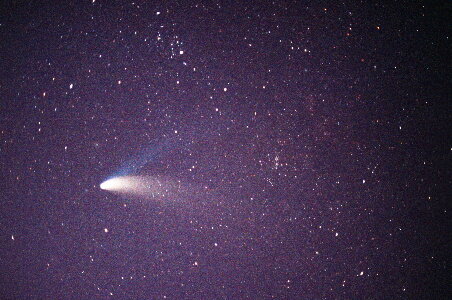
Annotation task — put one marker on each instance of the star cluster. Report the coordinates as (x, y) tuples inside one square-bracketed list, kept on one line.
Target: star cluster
[(298, 148)]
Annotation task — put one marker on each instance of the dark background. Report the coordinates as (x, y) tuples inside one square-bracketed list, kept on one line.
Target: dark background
[(312, 137)]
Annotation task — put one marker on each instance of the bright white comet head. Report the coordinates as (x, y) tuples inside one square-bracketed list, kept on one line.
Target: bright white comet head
[(114, 184)]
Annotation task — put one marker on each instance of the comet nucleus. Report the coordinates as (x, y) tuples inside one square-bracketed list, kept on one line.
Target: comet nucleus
[(114, 184)]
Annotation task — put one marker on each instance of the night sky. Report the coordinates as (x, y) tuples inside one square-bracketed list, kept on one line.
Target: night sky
[(300, 149)]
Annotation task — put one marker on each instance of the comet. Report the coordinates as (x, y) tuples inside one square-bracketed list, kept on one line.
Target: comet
[(145, 187)]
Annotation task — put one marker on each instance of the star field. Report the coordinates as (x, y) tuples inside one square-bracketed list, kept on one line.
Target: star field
[(292, 149)]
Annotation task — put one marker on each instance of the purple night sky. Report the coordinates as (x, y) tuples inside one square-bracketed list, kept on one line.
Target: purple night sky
[(289, 149)]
